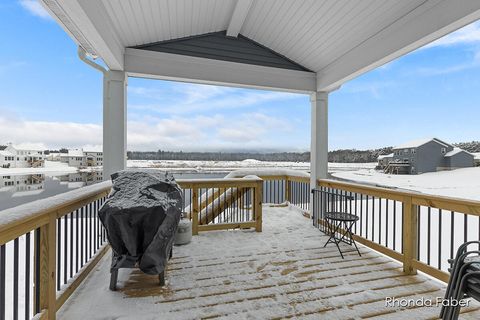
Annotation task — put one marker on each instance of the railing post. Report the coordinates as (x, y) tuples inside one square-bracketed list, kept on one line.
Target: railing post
[(257, 206), (195, 211), (287, 189), (46, 264), (409, 236)]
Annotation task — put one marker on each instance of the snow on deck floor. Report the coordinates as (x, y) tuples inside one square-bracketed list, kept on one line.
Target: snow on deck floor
[(283, 272)]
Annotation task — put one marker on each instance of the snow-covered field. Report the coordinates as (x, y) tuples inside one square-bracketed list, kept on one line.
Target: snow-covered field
[(225, 166), (461, 183)]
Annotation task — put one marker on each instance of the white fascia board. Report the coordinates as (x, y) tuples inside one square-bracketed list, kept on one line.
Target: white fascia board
[(238, 17), (161, 65), (89, 21), (426, 23)]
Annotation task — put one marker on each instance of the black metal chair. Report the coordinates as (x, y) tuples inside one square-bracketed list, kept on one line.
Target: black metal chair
[(464, 281)]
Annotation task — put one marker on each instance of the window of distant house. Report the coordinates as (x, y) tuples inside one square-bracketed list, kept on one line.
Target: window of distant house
[(444, 150), (405, 151), (413, 151)]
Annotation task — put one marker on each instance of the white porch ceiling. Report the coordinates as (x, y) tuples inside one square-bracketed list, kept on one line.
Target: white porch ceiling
[(337, 39)]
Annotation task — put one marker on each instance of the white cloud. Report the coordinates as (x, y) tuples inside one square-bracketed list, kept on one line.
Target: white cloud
[(35, 8), (465, 35), (249, 130), (48, 134), (374, 88), (186, 98)]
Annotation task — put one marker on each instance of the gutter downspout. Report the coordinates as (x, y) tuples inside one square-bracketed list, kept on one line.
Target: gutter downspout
[(82, 54)]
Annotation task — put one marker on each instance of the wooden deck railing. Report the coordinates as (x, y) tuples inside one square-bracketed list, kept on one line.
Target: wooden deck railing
[(419, 230), (221, 204), (48, 247)]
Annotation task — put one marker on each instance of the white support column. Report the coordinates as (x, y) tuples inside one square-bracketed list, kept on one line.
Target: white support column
[(319, 138), (114, 122)]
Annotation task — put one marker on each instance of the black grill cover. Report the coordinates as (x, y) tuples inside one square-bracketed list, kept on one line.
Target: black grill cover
[(141, 216)]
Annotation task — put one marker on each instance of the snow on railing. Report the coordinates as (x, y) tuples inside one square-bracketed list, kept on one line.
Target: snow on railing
[(47, 247)]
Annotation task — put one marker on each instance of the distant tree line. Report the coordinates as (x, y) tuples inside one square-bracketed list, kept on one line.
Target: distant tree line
[(346, 155), (218, 156), (343, 155), (473, 146)]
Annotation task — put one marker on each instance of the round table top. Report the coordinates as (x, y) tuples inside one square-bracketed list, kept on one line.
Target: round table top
[(341, 216)]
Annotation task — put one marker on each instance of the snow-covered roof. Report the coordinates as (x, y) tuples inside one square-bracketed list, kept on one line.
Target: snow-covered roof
[(75, 153), (6, 153), (454, 152), (383, 156), (420, 142), (476, 155), (92, 148)]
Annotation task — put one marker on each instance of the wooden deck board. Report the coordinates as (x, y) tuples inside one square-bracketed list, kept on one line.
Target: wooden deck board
[(283, 272)]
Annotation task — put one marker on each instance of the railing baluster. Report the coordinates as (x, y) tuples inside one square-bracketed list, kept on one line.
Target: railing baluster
[(379, 220), (27, 276), (439, 239), (429, 222), (77, 237), (373, 218), (452, 233), (59, 251), (418, 232), (2, 281), (15, 278), (65, 249), (71, 243), (386, 223), (366, 213), (394, 224), (361, 215), (90, 224), (82, 210), (37, 270)]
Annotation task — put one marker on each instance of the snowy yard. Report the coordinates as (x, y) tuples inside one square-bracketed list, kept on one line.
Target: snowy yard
[(226, 166), (461, 183)]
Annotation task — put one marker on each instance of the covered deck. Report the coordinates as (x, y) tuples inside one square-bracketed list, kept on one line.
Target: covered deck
[(282, 272)]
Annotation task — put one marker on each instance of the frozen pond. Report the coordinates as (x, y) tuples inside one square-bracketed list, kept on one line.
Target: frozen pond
[(19, 189)]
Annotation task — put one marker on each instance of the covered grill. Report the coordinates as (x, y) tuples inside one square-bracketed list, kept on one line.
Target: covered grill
[(141, 216)]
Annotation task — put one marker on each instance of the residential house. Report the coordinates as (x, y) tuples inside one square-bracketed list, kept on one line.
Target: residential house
[(13, 157), (427, 155), (80, 158), (384, 160)]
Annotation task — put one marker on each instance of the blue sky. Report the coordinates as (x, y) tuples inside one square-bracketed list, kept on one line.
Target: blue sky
[(49, 98)]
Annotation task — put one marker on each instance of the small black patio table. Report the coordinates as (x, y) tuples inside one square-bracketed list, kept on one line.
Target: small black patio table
[(340, 229)]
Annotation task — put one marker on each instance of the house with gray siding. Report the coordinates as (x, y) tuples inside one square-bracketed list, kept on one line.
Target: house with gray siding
[(427, 155)]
